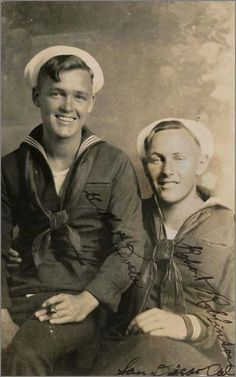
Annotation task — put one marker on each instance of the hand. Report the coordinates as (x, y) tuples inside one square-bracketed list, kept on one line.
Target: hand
[(13, 259), (69, 308), (9, 329), (159, 323)]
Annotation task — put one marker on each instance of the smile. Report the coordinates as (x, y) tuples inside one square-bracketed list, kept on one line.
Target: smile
[(65, 119), (167, 184)]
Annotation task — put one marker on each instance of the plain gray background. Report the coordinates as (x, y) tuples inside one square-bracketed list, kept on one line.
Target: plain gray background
[(160, 59)]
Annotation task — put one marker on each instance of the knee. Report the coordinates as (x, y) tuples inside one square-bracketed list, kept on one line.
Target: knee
[(23, 357)]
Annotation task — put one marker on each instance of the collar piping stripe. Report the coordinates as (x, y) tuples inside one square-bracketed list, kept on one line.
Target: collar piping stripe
[(85, 145)]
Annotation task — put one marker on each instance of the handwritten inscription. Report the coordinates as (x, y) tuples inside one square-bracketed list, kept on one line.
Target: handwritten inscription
[(119, 237), (208, 297), (178, 370)]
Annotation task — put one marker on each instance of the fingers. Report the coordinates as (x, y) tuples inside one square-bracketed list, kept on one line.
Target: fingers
[(13, 256), (51, 317), (43, 317), (61, 306), (145, 326), (159, 332), (54, 300), (151, 326), (145, 322), (13, 253), (54, 308), (133, 329), (12, 265), (41, 312), (60, 320), (14, 259), (46, 312)]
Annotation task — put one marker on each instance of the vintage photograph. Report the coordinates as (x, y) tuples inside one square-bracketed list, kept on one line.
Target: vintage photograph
[(117, 182)]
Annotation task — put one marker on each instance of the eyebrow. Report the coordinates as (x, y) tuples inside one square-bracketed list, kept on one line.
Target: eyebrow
[(173, 154), (176, 153), (77, 92)]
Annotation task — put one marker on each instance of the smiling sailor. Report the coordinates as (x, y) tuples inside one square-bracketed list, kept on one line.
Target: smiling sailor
[(182, 319), (76, 203)]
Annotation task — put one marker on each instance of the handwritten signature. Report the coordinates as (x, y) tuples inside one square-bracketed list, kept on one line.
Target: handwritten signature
[(178, 370), (119, 237), (216, 317)]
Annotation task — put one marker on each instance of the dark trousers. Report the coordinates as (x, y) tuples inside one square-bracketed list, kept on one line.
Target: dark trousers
[(38, 346)]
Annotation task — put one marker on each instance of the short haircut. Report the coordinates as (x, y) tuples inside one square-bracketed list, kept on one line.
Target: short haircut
[(61, 63), (167, 125)]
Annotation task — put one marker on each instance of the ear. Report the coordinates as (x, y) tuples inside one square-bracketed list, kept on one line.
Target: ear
[(92, 102), (35, 96), (202, 164)]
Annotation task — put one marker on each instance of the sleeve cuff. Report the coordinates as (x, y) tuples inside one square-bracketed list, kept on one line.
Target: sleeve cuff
[(195, 328), (106, 297)]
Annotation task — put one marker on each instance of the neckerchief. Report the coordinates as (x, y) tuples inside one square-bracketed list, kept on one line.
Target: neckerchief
[(171, 290), (58, 222)]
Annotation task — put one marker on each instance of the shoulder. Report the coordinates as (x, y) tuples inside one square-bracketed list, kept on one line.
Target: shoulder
[(11, 173), (218, 228), (112, 152), (103, 149), (10, 160), (112, 160), (222, 216)]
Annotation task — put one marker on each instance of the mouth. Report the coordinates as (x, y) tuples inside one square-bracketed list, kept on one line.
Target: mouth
[(65, 119), (168, 184)]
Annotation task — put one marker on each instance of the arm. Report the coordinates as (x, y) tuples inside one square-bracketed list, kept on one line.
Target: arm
[(6, 239), (159, 322), (121, 268), (218, 323), (9, 328)]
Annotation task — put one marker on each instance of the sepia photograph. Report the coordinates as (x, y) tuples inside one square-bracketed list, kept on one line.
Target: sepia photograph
[(118, 188)]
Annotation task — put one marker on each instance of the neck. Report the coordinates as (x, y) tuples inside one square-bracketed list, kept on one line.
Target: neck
[(61, 152), (175, 214)]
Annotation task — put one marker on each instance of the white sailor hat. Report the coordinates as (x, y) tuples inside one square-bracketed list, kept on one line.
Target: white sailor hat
[(197, 128), (32, 68)]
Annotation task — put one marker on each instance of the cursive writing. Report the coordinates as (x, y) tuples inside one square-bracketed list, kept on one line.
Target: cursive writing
[(208, 297), (120, 239), (175, 370)]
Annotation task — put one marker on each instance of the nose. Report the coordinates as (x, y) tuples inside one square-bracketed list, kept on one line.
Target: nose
[(67, 104), (168, 167)]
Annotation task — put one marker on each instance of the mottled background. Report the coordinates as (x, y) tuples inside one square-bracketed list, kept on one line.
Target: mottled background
[(160, 59)]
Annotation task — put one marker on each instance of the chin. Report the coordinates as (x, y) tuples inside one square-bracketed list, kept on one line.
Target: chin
[(65, 134), (168, 202), (169, 199)]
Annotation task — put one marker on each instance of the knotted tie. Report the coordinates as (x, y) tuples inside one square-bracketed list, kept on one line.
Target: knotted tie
[(171, 292), (57, 221)]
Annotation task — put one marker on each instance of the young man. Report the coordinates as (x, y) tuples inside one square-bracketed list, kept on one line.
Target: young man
[(183, 314), (76, 203)]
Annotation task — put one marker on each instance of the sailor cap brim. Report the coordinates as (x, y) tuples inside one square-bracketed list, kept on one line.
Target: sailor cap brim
[(33, 67), (197, 128)]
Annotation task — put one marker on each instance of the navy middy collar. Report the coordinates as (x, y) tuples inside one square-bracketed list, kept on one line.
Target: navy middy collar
[(87, 140)]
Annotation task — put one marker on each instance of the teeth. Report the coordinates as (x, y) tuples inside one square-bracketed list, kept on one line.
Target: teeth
[(168, 183), (65, 119)]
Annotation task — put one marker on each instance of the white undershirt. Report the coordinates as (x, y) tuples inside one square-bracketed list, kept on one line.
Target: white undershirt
[(171, 233), (59, 178)]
